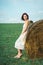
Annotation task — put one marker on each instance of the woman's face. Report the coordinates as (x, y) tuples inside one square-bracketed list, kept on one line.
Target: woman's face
[(25, 17)]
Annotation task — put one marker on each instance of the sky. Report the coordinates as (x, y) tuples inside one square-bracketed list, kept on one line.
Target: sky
[(12, 10)]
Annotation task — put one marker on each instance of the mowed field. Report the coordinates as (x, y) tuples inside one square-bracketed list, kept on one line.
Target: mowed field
[(8, 35)]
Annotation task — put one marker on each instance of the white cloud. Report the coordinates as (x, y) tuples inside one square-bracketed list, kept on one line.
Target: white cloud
[(40, 12), (27, 0), (9, 20)]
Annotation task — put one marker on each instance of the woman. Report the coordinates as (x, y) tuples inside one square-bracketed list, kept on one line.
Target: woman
[(19, 44)]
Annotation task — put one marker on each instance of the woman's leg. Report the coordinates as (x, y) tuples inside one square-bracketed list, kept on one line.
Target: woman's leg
[(19, 53)]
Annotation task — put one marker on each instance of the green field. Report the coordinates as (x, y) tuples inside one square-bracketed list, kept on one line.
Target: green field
[(8, 35)]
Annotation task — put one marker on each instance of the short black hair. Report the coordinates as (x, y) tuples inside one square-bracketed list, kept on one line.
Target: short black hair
[(23, 15)]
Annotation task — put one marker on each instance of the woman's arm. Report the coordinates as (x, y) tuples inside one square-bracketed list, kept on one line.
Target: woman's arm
[(25, 28)]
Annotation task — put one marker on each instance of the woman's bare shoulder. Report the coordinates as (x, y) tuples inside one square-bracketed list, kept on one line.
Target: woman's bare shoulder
[(27, 23)]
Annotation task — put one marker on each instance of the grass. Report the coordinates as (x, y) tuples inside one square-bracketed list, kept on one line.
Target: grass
[(8, 35)]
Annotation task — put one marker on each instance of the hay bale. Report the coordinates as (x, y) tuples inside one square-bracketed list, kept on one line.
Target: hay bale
[(34, 40)]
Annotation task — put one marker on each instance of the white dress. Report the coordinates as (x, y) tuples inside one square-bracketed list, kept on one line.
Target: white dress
[(19, 44)]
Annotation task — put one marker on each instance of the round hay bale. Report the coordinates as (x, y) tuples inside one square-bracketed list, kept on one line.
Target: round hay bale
[(34, 40)]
